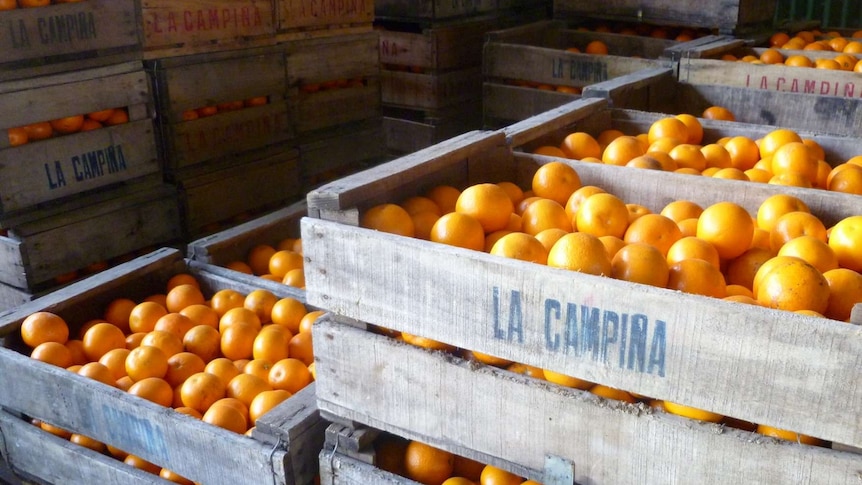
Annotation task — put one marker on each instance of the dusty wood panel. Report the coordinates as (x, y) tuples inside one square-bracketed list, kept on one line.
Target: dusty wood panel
[(449, 46), (553, 121), (364, 377), (431, 9), (329, 108), (503, 104), (66, 242), (300, 14), (34, 38), (342, 149), (204, 24), (27, 446), (252, 186), (347, 57), (726, 15), (407, 136), (642, 90), (234, 244), (338, 469), (51, 169), (10, 297), (432, 91), (558, 67)]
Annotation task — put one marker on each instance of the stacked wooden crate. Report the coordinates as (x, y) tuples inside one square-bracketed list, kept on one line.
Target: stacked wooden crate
[(540, 316), (75, 196)]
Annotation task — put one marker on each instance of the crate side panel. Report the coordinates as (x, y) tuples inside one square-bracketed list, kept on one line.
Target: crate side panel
[(431, 91), (503, 105), (167, 23), (727, 15), (347, 57), (329, 108), (296, 14)]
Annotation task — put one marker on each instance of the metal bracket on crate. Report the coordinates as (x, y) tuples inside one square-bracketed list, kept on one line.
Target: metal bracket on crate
[(558, 471), (351, 441)]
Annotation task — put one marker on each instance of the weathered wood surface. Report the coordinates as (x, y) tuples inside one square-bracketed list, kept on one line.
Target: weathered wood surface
[(448, 46), (504, 104), (347, 57), (345, 148), (458, 406), (431, 10), (430, 91), (409, 135), (303, 14), (338, 469), (331, 108)]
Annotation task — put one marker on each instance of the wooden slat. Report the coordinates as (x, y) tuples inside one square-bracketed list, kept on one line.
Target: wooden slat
[(298, 14), (553, 120), (338, 469), (431, 91), (408, 136), (431, 9), (504, 104), (347, 57), (458, 406), (26, 447), (330, 108), (448, 46), (345, 147)]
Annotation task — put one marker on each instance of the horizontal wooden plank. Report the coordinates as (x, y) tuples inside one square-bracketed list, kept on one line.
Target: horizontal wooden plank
[(341, 149), (329, 108), (552, 120), (298, 14), (431, 91), (448, 46), (431, 9), (458, 406), (505, 104), (338, 469), (348, 57), (408, 136), (39, 454)]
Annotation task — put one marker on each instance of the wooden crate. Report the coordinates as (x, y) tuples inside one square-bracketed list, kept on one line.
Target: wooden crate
[(458, 406), (282, 450), (431, 10), (407, 130), (192, 82), (173, 28), (67, 37), (475, 287), (91, 229), (727, 17), (504, 104), (660, 91), (210, 196), (329, 154), (46, 171), (307, 19), (342, 88), (430, 91)]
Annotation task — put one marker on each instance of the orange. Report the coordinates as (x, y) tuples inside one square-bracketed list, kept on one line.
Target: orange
[(739, 290), (845, 291), (527, 370), (445, 196), (155, 390), (159, 298), (556, 181), (847, 180), (258, 367), (602, 215), (654, 229), (118, 117), (798, 61), (693, 128), (741, 270), (845, 239), (181, 366), (203, 341), (778, 39), (289, 374), (226, 417), (141, 464), (169, 342), (580, 145), (228, 299), (853, 47), (793, 285), (87, 442), (458, 481), (258, 259), (495, 236), (146, 361), (607, 136), (487, 203), (288, 312), (596, 47), (716, 156), (222, 368), (728, 227), (261, 301), (239, 315), (98, 372), (301, 347), (544, 214), (426, 464), (730, 174), (673, 128), (265, 401), (308, 320), (775, 139), (612, 393), (389, 218), (460, 230), (612, 245), (578, 197), (38, 131), (743, 151), (624, 148), (115, 361), (425, 343), (549, 236), (144, 315), (816, 150), (176, 323), (182, 296), (688, 156), (718, 113), (680, 210), (827, 64), (793, 225), (550, 151), (580, 252), (492, 475), (640, 263), (636, 210), (693, 413), (201, 314), (645, 161), (758, 175), (17, 136), (416, 204), (41, 327), (813, 250), (698, 277), (518, 245), (245, 387), (118, 312), (687, 227), (787, 435), (513, 191), (845, 61), (285, 260), (566, 381), (240, 266), (199, 391), (776, 206), (237, 340), (272, 343), (53, 353), (771, 56), (181, 279), (693, 247), (794, 157), (101, 338)]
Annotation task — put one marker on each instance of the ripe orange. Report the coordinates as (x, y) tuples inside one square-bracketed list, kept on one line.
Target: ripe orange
[(798, 61), (226, 417), (223, 368), (556, 181), (579, 145), (549, 236), (654, 229), (607, 136), (176, 323), (550, 151), (776, 206), (53, 353), (258, 367), (848, 179), (845, 239), (596, 47), (693, 413), (775, 139), (640, 263), (239, 315), (673, 128), (265, 401), (693, 247), (17, 136), (258, 259), (41, 327), (203, 341), (680, 210), (744, 152), (181, 366), (144, 316), (115, 361), (38, 131), (146, 361), (578, 197), (308, 320), (794, 157), (416, 204), (182, 279), (445, 196), (545, 214), (237, 340), (201, 314), (603, 215), (698, 277), (301, 347), (787, 435), (245, 387), (182, 296), (272, 343), (518, 245), (389, 218), (289, 374), (793, 225), (98, 372), (566, 381), (283, 261), (793, 285), (728, 227), (718, 113), (845, 291), (169, 342), (812, 250), (487, 203), (771, 56), (693, 127), (87, 442), (458, 481), (580, 252), (622, 149), (240, 266), (612, 393), (288, 312), (101, 338), (492, 475), (645, 161), (716, 156), (155, 390), (741, 270), (688, 156), (201, 390), (427, 464), (460, 230)]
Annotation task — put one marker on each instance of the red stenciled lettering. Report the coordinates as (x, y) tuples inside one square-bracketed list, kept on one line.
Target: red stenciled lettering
[(188, 20), (764, 84), (214, 19), (226, 17), (246, 16), (849, 89), (202, 23), (794, 86), (258, 20), (172, 22), (824, 87), (809, 86), (156, 23), (779, 82), (747, 79)]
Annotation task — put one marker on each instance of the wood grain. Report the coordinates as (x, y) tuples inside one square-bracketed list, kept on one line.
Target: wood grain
[(198, 22)]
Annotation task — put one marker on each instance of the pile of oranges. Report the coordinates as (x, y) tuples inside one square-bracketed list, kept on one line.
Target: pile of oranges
[(846, 50), (680, 34), (204, 111), (227, 360), (429, 465), (67, 125), (281, 263), (783, 257), (13, 4), (676, 144), (311, 88)]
